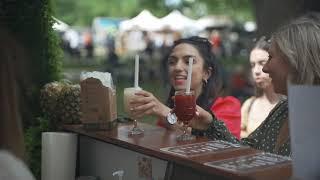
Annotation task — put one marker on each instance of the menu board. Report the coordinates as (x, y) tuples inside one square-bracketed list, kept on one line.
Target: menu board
[(249, 162), (197, 149)]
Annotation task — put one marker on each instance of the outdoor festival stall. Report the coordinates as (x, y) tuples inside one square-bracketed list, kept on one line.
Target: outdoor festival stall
[(150, 156), (109, 145)]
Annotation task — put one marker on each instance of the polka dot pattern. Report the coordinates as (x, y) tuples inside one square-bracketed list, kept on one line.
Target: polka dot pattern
[(263, 138)]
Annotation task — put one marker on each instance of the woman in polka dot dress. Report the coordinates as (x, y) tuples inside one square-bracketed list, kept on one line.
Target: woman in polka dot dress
[(294, 57)]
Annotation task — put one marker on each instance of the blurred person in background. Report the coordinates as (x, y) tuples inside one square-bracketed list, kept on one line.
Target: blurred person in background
[(217, 45), (112, 56), (240, 82), (88, 44), (255, 109), (73, 38), (13, 74), (206, 82)]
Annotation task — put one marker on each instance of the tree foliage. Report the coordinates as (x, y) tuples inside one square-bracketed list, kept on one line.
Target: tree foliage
[(78, 12), (238, 9)]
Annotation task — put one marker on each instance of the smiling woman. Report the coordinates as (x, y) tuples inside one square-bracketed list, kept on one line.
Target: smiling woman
[(206, 83), (294, 58), (178, 63)]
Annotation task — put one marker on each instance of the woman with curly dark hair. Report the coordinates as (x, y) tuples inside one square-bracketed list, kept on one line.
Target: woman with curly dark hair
[(206, 82)]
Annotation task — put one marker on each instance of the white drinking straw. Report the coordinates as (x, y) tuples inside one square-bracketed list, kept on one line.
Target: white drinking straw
[(189, 75), (136, 72)]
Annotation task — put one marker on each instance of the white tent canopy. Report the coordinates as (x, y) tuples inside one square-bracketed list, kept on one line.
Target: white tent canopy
[(174, 21), (59, 25), (143, 21), (177, 21)]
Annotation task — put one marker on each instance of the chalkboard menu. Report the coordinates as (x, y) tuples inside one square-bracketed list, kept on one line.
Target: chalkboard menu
[(202, 148), (250, 162)]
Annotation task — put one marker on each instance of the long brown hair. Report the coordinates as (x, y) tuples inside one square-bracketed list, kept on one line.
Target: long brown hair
[(12, 67), (262, 44), (299, 42)]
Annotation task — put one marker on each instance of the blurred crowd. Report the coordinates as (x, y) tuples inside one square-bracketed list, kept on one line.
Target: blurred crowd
[(116, 47)]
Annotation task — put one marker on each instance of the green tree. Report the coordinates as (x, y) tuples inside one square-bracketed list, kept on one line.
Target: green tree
[(77, 12), (241, 10)]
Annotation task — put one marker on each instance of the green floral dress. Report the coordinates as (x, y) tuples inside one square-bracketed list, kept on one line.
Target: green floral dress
[(263, 138)]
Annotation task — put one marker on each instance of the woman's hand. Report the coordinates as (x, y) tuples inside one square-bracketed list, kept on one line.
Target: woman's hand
[(201, 120), (145, 103)]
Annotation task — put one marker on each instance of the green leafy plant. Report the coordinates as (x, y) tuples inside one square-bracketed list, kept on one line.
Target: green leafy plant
[(33, 145), (30, 22)]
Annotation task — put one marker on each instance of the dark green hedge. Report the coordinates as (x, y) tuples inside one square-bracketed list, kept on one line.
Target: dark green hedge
[(30, 21)]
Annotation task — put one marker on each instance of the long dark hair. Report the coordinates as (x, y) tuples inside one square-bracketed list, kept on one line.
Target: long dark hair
[(214, 85)]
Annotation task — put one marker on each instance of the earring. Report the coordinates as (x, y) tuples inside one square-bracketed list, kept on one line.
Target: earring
[(205, 81)]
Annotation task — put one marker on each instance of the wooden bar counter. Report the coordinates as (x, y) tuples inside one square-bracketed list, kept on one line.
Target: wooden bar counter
[(140, 157)]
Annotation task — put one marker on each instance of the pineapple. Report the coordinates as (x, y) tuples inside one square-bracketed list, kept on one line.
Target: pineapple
[(49, 95), (60, 102), (68, 105)]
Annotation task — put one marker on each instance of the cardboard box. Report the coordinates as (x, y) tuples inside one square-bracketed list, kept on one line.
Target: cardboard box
[(99, 105)]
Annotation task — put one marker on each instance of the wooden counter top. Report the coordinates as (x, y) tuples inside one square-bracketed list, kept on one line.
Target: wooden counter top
[(155, 138)]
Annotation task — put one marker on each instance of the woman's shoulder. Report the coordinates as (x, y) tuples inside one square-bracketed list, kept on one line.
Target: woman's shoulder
[(248, 102), (279, 112), (13, 168), (282, 105)]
